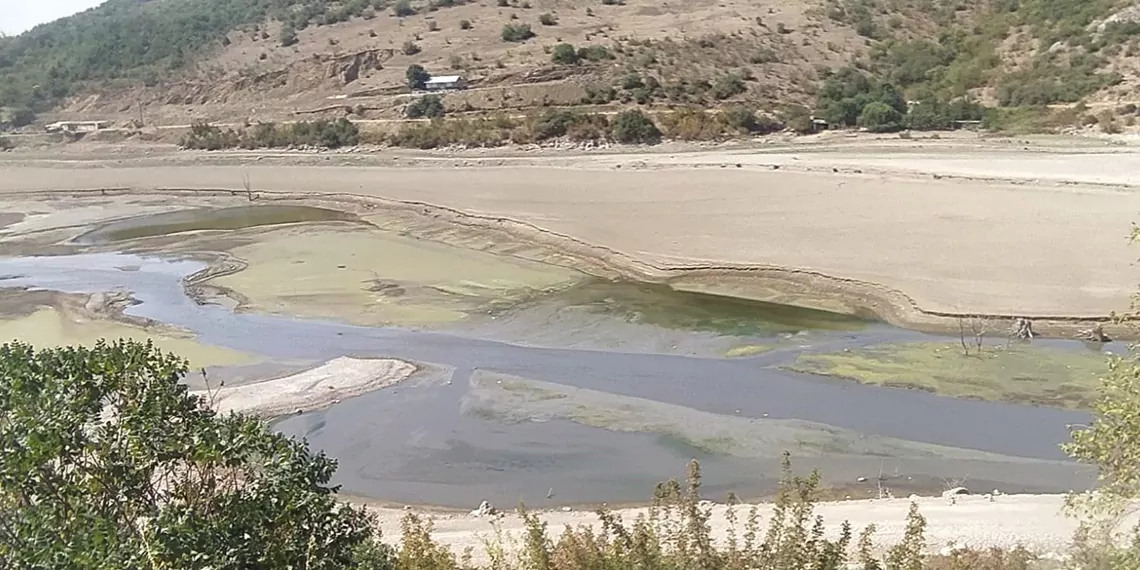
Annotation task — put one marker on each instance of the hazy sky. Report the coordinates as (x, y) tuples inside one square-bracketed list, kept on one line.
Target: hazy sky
[(18, 16)]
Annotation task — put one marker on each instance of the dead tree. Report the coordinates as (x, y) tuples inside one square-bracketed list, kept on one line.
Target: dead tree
[(1095, 334), (977, 333), (1022, 329), (248, 186)]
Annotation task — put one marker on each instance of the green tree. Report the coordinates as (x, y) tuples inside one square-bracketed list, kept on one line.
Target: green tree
[(929, 115), (564, 54), (110, 463), (417, 76), (633, 126), (879, 117)]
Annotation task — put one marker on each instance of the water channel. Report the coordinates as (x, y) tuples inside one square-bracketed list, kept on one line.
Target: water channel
[(425, 442)]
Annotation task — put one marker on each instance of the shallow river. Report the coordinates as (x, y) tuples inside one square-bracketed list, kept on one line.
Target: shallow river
[(414, 444)]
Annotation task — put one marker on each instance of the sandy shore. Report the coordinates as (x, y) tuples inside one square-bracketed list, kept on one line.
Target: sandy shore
[(310, 390), (913, 250), (972, 521)]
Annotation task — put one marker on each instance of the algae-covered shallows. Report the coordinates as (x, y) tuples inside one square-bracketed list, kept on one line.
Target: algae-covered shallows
[(1018, 373)]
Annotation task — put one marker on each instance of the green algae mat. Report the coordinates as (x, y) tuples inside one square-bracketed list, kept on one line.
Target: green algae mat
[(1020, 373)]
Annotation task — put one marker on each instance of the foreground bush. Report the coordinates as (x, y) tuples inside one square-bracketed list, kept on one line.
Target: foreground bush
[(109, 463)]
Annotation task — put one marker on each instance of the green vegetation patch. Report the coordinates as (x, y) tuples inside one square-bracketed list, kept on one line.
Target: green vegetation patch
[(665, 307), (748, 350), (1020, 373)]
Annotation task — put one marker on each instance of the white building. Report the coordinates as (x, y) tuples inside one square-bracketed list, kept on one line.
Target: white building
[(445, 83), (77, 126)]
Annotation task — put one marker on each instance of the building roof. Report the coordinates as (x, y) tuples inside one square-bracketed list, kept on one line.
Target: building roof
[(444, 79)]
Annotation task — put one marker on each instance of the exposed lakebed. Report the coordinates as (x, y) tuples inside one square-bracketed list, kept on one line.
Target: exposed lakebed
[(555, 387)]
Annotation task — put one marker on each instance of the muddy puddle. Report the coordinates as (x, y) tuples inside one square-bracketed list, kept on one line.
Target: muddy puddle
[(610, 386)]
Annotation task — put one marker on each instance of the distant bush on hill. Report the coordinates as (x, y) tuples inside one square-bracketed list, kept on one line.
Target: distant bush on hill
[(517, 32), (429, 106), (634, 126), (564, 54), (322, 133)]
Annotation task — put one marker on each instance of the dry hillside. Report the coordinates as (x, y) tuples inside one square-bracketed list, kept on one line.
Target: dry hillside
[(274, 60), (688, 48)]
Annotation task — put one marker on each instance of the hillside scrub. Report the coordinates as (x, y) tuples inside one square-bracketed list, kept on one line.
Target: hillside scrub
[(428, 106), (700, 125), (127, 39), (322, 133), (516, 33), (635, 127)]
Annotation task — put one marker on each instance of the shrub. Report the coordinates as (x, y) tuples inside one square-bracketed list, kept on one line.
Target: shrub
[(553, 123), (728, 85), (6, 144), (548, 19), (16, 117), (594, 53), (416, 76), (288, 36), (564, 54), (879, 117), (599, 95), (740, 118), (482, 132), (430, 106), (410, 48), (465, 24), (516, 33), (204, 136), (633, 126), (163, 481), (403, 9), (693, 125), (433, 26)]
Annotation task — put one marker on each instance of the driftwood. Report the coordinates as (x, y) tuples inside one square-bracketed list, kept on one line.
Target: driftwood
[(1022, 329), (1095, 334)]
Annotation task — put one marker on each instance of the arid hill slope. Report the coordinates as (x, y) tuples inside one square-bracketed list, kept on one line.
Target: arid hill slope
[(281, 59)]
